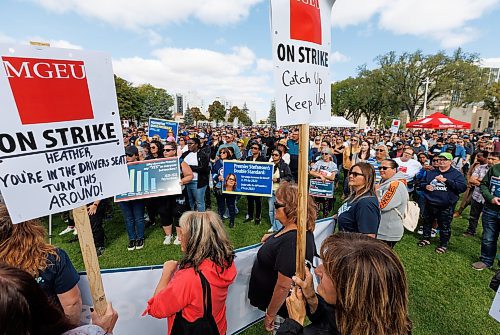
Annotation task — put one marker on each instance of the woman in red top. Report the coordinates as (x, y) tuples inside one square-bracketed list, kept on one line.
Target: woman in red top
[(207, 249)]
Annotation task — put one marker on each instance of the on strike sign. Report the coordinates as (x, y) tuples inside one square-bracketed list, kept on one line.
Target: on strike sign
[(61, 143), (301, 51)]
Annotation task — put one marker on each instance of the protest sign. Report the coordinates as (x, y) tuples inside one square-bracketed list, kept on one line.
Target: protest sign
[(61, 143), (153, 178), (395, 126), (162, 127), (248, 178), (301, 51), (495, 307), (322, 189)]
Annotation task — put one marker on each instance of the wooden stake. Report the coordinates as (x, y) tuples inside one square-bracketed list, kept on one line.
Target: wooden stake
[(303, 186), (86, 239)]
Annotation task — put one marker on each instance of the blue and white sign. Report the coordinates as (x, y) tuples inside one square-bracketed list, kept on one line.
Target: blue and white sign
[(248, 178), (153, 178), (322, 189), (162, 127)]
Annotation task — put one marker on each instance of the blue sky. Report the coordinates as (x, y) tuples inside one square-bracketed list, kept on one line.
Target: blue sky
[(223, 47)]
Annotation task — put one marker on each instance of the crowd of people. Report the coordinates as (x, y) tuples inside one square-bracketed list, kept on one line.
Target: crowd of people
[(362, 284)]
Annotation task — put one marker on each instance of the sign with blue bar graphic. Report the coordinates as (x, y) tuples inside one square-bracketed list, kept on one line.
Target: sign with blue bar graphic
[(248, 178), (322, 189), (153, 178)]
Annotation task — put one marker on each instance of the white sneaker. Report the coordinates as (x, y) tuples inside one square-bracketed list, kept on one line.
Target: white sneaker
[(270, 230), (167, 240), (67, 230), (176, 241), (75, 232)]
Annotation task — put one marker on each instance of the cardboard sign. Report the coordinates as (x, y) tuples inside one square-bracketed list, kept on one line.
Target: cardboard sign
[(61, 143), (248, 178), (153, 178), (162, 128), (395, 126), (301, 50), (322, 189)]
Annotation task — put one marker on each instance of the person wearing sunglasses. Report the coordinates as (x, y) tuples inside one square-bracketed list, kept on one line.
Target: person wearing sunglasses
[(326, 170), (274, 266), (360, 213), (281, 173), (223, 199), (393, 197), (255, 155), (443, 187)]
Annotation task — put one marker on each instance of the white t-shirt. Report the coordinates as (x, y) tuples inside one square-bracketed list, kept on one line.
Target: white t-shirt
[(192, 159), (409, 169)]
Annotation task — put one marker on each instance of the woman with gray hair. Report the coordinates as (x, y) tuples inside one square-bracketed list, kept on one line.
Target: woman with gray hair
[(209, 259)]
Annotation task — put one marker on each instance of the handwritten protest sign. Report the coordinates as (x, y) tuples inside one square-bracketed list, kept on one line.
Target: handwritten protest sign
[(322, 189), (162, 127), (61, 143), (153, 178), (301, 54), (248, 178)]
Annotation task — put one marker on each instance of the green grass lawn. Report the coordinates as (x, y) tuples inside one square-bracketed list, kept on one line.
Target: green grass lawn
[(447, 297)]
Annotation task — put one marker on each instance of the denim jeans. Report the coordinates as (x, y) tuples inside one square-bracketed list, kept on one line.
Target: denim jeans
[(133, 211), (230, 201), (196, 196), (443, 215), (491, 228), (275, 224), (254, 202)]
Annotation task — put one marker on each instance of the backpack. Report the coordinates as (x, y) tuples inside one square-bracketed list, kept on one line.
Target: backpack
[(411, 215), (203, 326)]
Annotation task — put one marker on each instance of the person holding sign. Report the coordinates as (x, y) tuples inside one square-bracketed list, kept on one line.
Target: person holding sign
[(362, 290), (360, 213), (325, 169), (274, 267), (224, 199), (281, 173), (23, 246), (209, 258), (254, 201)]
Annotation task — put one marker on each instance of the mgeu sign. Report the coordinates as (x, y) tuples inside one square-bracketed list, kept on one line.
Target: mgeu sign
[(60, 137)]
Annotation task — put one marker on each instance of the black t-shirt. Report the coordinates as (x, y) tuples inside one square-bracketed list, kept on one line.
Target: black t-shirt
[(360, 216), (277, 254), (59, 277)]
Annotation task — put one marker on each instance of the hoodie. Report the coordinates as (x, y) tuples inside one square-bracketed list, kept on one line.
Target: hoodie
[(445, 194), (184, 292), (393, 196)]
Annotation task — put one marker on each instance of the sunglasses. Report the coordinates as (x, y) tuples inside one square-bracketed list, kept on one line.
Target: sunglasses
[(277, 205), (383, 168), (223, 153), (168, 150), (276, 155), (130, 155), (255, 148), (152, 147), (379, 150), (231, 179), (355, 174), (324, 154)]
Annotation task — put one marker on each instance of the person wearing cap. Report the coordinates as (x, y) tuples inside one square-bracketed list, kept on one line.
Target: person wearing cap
[(398, 151), (442, 188), (325, 169), (459, 150)]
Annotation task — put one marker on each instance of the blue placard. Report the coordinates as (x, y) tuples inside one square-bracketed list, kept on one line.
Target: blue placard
[(153, 178), (161, 128), (252, 178), (322, 189)]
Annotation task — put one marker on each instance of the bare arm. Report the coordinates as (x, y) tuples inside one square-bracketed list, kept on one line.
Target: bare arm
[(280, 293), (71, 302), (187, 173)]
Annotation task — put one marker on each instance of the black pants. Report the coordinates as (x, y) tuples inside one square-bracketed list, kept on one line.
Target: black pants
[(294, 167), (254, 202), (208, 199), (475, 212), (443, 215), (96, 221), (391, 244), (228, 200)]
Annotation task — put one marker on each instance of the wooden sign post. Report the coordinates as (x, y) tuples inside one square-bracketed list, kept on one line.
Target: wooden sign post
[(86, 239), (303, 187)]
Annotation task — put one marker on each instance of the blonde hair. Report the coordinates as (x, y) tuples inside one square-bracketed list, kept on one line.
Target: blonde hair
[(289, 193), (23, 245), (205, 239), (368, 172), (370, 284)]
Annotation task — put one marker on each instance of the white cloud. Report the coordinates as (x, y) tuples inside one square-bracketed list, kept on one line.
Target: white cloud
[(154, 37), (207, 72), (491, 62), (53, 42), (337, 57), (6, 39), (265, 65), (447, 21), (147, 13)]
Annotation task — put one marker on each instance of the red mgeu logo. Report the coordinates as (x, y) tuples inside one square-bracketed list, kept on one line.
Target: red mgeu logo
[(48, 90), (305, 20)]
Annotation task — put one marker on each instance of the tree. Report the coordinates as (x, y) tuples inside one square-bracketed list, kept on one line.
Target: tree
[(197, 115), (241, 114), (271, 119), (156, 102), (217, 112), (403, 78), (344, 98), (188, 117), (129, 100), (492, 101)]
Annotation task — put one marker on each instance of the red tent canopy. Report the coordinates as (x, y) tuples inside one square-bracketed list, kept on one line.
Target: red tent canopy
[(438, 121)]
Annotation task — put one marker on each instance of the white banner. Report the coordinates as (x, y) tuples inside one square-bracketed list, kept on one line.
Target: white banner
[(301, 31), (129, 290), (61, 140), (495, 307)]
